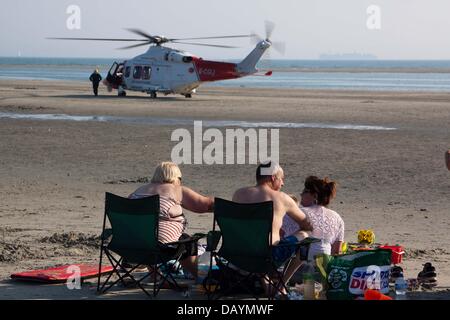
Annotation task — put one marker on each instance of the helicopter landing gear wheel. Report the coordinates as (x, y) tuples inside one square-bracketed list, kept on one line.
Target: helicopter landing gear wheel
[(188, 95), (122, 94), (153, 94)]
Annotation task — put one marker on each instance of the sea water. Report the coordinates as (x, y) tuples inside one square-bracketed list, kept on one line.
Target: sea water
[(305, 74)]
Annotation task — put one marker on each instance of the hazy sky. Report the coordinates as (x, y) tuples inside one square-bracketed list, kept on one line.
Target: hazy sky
[(409, 29)]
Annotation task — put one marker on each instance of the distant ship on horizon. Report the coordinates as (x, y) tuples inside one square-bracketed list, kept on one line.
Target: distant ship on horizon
[(347, 56)]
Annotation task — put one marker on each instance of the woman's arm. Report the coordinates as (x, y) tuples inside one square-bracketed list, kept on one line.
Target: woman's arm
[(336, 247), (196, 202)]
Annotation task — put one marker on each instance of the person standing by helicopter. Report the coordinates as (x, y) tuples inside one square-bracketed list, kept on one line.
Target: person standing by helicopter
[(95, 78)]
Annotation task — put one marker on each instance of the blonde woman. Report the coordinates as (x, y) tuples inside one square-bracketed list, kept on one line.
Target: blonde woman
[(173, 197)]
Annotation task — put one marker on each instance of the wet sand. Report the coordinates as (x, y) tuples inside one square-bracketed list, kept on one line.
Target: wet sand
[(54, 173)]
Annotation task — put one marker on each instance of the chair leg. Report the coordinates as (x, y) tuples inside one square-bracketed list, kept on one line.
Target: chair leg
[(155, 276), (116, 264), (277, 286), (240, 282), (168, 277), (272, 288), (157, 285), (100, 268)]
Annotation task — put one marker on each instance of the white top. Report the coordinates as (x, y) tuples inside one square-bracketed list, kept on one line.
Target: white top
[(327, 225)]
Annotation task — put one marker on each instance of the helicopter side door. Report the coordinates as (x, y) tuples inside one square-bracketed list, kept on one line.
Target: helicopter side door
[(115, 75)]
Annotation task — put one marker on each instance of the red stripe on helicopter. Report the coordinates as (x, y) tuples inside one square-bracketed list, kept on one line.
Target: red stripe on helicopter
[(213, 70)]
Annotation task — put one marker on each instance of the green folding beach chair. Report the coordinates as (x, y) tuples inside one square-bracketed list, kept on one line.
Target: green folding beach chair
[(134, 239), (245, 253)]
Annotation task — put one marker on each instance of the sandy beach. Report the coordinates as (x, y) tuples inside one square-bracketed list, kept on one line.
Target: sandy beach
[(54, 173)]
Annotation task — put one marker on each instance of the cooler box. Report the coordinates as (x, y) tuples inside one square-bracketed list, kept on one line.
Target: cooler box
[(397, 253)]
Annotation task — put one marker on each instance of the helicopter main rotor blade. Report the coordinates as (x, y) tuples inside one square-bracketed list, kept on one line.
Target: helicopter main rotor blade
[(136, 45), (142, 33), (218, 37), (97, 39), (255, 39), (205, 45)]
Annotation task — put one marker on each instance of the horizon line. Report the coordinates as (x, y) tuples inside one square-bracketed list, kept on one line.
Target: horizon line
[(287, 59)]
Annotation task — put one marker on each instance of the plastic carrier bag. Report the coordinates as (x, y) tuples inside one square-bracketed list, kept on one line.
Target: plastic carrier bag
[(349, 275)]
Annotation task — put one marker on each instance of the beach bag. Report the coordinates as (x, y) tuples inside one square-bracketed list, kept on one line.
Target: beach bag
[(349, 275)]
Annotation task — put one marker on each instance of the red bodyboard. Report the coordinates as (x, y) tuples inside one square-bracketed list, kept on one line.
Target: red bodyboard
[(60, 274)]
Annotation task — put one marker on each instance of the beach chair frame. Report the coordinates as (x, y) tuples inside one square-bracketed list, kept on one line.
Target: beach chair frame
[(133, 239), (246, 234)]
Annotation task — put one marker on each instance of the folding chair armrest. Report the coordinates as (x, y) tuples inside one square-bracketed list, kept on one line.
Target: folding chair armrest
[(195, 237), (304, 242), (199, 235), (301, 246), (212, 240), (309, 240), (284, 245)]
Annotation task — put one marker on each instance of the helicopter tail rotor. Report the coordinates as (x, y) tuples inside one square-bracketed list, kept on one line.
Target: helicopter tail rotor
[(269, 26), (248, 65), (280, 47)]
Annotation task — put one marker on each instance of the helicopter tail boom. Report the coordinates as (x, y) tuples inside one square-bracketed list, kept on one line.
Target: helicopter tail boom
[(215, 70), (248, 65)]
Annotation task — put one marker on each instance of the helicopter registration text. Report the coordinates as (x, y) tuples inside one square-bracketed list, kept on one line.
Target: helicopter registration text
[(207, 72)]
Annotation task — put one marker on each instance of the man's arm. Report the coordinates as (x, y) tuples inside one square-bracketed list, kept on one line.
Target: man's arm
[(293, 211)]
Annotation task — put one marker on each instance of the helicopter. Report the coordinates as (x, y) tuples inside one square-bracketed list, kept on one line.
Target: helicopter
[(166, 70)]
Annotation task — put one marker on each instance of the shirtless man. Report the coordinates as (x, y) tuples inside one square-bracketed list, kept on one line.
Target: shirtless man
[(269, 180), (268, 189)]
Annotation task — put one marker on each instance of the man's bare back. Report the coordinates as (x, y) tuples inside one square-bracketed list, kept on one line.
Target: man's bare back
[(282, 204)]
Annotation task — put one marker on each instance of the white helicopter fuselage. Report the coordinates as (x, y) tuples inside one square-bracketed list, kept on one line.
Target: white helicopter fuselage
[(161, 69), (172, 71)]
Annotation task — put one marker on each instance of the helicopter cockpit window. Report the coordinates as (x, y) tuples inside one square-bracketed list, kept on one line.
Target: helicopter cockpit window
[(137, 72), (127, 72), (146, 74)]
